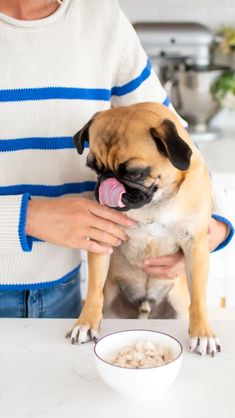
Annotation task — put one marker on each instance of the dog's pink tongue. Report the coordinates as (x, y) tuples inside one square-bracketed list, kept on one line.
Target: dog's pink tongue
[(110, 193)]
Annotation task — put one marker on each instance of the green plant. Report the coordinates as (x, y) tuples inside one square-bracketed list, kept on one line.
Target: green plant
[(227, 39), (223, 89)]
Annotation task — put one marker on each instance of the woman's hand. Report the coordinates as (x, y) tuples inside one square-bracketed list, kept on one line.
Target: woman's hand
[(76, 223), (165, 267), (169, 267), (217, 233)]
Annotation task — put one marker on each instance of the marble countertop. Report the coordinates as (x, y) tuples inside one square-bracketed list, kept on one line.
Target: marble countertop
[(43, 376)]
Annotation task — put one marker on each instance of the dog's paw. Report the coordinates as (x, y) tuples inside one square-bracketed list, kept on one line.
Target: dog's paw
[(86, 328), (202, 339), (80, 334), (205, 345)]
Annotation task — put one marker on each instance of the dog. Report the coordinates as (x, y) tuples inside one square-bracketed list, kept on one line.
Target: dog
[(148, 167)]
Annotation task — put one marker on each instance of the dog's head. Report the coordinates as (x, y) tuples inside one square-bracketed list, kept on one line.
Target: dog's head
[(136, 152)]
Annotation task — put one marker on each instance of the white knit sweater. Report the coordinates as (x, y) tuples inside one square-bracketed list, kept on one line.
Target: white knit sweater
[(55, 74)]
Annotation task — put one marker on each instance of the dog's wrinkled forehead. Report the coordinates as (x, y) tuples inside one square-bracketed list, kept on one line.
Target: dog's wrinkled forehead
[(138, 131), (117, 137), (110, 128)]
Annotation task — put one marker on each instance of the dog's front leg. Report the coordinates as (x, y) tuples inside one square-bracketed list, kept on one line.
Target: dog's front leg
[(202, 338), (88, 323)]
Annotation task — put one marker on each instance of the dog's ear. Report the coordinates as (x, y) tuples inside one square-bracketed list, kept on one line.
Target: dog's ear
[(171, 145), (83, 135)]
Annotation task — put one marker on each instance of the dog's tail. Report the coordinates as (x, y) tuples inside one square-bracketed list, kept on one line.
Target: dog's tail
[(144, 310)]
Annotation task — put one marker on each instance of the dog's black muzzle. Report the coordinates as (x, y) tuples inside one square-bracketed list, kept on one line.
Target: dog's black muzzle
[(136, 195)]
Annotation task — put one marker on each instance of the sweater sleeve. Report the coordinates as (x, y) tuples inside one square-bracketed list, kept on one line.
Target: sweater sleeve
[(12, 223), (137, 82)]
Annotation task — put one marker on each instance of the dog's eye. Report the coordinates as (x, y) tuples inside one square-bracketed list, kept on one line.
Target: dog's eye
[(138, 173), (135, 176)]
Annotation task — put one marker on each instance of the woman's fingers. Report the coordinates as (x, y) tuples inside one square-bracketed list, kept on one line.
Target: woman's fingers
[(105, 237), (95, 247), (162, 272), (111, 215), (167, 267), (165, 261), (107, 227)]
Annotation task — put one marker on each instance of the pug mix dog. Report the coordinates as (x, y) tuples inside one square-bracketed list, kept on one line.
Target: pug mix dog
[(147, 166)]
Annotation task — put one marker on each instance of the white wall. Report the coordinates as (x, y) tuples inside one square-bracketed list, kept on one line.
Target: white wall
[(212, 13)]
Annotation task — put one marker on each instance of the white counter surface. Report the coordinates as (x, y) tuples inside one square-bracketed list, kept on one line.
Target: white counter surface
[(219, 154), (43, 376)]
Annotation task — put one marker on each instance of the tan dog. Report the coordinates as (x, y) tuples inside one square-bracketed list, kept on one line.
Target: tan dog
[(148, 166)]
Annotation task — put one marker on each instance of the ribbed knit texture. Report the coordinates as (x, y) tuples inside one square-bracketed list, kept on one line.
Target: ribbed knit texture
[(9, 223), (55, 74)]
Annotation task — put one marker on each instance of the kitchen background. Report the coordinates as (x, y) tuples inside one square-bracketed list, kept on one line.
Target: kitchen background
[(219, 152), (212, 13)]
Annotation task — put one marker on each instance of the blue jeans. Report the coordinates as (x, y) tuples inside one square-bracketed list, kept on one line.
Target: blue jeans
[(60, 301)]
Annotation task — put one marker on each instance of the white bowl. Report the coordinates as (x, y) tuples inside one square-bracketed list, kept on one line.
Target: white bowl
[(144, 383)]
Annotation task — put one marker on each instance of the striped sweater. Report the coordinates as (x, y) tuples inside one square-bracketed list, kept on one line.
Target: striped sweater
[(55, 74)]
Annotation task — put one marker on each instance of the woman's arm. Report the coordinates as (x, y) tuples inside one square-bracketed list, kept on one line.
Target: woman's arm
[(76, 223)]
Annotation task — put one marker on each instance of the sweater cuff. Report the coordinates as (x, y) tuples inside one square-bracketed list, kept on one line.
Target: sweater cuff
[(13, 211), (231, 231), (26, 242)]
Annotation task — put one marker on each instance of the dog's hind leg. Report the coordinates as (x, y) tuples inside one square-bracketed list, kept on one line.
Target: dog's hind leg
[(178, 297)]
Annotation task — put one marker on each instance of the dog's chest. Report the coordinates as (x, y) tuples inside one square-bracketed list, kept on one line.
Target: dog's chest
[(150, 240), (161, 236)]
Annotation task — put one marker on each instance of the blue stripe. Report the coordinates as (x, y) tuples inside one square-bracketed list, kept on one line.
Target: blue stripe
[(39, 143), (74, 93), (42, 143), (166, 101), (25, 242), (134, 84), (49, 93), (45, 285), (231, 232), (48, 191)]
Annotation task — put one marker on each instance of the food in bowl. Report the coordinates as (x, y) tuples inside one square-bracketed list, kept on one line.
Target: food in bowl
[(143, 382), (143, 354)]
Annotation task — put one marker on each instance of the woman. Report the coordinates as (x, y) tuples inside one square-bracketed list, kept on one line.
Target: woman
[(62, 62)]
